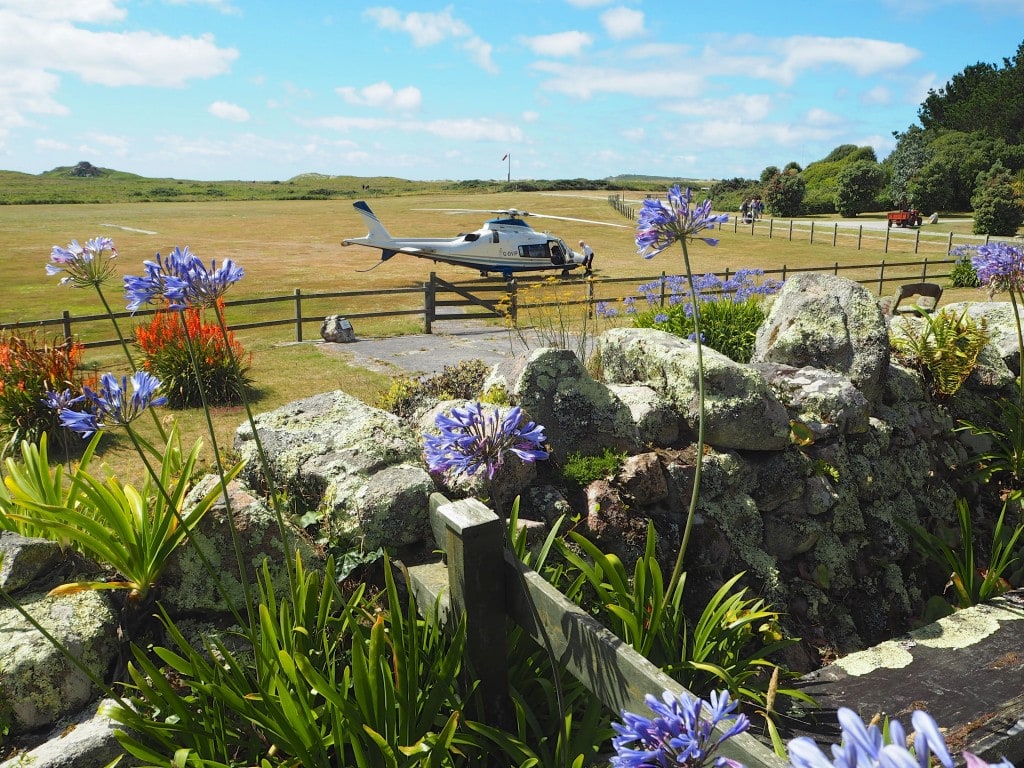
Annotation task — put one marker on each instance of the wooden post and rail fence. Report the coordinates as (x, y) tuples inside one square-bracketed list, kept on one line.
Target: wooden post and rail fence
[(438, 300), (473, 540)]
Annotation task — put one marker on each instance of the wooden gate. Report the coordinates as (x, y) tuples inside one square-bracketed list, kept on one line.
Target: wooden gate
[(467, 295)]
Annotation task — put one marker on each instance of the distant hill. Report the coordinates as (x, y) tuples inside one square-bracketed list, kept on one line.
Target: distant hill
[(87, 183)]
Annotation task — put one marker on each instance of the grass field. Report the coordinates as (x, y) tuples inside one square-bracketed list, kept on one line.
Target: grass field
[(283, 245)]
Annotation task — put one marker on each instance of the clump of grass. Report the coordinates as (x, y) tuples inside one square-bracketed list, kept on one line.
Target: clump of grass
[(582, 470), (408, 395)]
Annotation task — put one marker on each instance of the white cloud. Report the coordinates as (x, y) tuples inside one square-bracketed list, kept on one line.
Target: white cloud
[(569, 43), (481, 53), (227, 111), (623, 23), (36, 42), (47, 145), (222, 6), (862, 56), (877, 95), (383, 95), (89, 11), (530, 116), (584, 82), (588, 3), (424, 28), (634, 134), (428, 29), (746, 107), (822, 117), (465, 129)]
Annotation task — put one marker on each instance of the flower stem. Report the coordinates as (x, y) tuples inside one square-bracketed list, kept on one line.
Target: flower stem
[(243, 577), (677, 569), (127, 353)]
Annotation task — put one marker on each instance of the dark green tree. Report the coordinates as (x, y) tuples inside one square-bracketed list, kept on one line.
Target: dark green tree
[(783, 195), (946, 182), (983, 97), (905, 163), (997, 210), (767, 173), (857, 187)]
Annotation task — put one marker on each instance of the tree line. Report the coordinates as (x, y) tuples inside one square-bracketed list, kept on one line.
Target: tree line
[(967, 153)]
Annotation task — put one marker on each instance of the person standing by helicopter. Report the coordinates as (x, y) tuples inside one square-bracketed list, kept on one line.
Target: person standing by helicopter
[(588, 258)]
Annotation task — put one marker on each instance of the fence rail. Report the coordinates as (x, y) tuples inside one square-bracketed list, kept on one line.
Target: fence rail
[(470, 585), (439, 297)]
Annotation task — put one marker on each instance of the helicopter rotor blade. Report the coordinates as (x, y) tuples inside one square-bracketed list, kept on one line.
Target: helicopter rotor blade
[(522, 214)]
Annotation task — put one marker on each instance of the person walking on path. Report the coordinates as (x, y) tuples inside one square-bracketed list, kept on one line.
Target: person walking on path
[(588, 258)]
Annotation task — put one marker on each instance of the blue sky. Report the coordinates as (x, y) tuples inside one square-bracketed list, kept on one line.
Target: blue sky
[(232, 89)]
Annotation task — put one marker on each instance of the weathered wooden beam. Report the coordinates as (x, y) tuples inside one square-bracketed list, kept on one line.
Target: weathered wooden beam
[(606, 665)]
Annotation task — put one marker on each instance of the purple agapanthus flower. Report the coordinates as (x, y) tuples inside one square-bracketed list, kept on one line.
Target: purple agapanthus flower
[(111, 405), (865, 747), (180, 280), (474, 439), (1000, 266), (83, 265), (679, 734), (663, 222)]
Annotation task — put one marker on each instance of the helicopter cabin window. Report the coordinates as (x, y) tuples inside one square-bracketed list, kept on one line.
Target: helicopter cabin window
[(534, 251), (494, 236), (471, 237)]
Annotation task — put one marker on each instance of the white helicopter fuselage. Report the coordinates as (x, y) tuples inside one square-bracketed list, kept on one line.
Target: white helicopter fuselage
[(503, 245)]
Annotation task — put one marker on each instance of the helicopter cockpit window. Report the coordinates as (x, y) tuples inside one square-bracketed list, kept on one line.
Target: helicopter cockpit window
[(534, 251), (471, 237)]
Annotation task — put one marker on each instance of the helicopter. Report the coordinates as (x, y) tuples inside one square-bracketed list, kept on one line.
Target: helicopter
[(505, 244)]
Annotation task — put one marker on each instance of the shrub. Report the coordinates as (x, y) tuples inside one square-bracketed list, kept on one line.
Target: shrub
[(407, 394), (964, 275), (31, 367), (730, 310), (582, 470), (944, 347), (169, 342)]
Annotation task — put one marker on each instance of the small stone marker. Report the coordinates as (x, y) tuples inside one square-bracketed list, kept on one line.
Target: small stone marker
[(337, 329)]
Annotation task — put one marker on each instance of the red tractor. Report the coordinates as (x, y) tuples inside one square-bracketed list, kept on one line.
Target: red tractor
[(908, 218)]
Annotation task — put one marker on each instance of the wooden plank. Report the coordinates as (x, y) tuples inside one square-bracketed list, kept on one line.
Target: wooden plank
[(966, 671)]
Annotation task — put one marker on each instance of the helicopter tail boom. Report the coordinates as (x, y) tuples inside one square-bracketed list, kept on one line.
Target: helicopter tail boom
[(376, 232)]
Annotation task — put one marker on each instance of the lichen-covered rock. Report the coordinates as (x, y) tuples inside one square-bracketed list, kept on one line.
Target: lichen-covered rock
[(827, 322), (187, 585), (740, 411), (578, 413), (39, 685), (22, 560), (656, 422), (326, 450), (643, 479), (826, 402), (1001, 325), (86, 742)]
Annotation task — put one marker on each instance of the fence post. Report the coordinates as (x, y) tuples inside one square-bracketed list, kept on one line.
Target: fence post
[(65, 317), (771, 227), (924, 270), (429, 302), (917, 239), (949, 244), (298, 314), (476, 551), (791, 230), (860, 234), (783, 273), (887, 230), (881, 277), (590, 299), (812, 233), (835, 233), (835, 270)]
